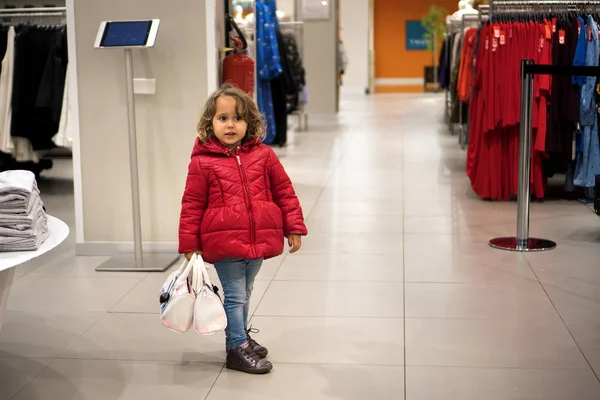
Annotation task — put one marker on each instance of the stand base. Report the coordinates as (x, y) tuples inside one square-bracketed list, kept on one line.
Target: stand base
[(152, 262), (6, 280), (532, 245)]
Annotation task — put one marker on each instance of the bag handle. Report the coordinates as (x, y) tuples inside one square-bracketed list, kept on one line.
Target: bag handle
[(200, 274), (186, 268)]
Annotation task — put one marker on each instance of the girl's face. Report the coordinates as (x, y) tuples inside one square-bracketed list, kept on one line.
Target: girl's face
[(228, 125)]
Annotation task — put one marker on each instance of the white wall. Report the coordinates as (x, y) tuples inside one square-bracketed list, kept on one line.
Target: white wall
[(287, 6), (355, 35), (320, 63)]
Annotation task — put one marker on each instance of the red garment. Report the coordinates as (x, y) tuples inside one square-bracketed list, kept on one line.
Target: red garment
[(237, 206), (545, 88), (492, 159), (465, 72)]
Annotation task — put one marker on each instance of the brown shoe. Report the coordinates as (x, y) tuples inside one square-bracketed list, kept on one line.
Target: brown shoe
[(257, 348), (246, 360)]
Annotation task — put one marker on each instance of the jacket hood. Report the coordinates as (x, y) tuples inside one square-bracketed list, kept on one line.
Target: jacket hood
[(213, 146)]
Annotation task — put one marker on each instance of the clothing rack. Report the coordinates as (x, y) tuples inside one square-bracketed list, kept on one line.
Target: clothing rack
[(522, 242), (297, 29), (36, 14)]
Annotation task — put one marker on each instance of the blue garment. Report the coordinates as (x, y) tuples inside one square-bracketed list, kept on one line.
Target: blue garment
[(237, 278), (580, 51), (588, 161), (268, 64), (272, 4)]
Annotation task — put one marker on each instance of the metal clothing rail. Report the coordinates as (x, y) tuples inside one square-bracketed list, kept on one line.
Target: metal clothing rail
[(516, 7), (495, 3), (29, 15), (522, 242), (33, 10)]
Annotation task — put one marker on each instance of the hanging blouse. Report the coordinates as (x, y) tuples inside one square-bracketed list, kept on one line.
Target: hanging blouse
[(267, 49)]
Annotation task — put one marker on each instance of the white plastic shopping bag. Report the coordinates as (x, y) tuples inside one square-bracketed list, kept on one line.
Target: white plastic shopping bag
[(209, 314), (177, 298)]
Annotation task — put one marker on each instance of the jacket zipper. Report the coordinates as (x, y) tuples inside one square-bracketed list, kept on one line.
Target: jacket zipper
[(249, 201)]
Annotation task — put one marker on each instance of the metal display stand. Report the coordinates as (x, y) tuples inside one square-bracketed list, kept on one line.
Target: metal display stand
[(138, 261), (522, 242)]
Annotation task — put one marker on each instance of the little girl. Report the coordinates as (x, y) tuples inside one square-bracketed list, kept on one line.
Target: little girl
[(237, 207)]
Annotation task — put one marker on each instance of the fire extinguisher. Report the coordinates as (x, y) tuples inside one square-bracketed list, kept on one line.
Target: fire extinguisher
[(238, 67)]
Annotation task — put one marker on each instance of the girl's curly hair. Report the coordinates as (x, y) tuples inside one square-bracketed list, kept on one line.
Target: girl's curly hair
[(248, 111)]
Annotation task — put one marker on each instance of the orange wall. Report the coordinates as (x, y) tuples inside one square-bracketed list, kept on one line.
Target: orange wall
[(392, 60)]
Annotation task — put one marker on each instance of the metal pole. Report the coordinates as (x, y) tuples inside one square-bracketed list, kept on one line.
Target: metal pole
[(522, 242), (133, 160), (33, 10), (524, 194)]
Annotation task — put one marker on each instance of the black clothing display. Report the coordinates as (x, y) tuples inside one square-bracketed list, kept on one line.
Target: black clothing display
[(39, 82), (444, 61), (296, 69), (286, 88), (563, 107), (279, 87)]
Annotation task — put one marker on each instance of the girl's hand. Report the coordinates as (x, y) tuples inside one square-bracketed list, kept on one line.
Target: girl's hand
[(189, 255), (295, 242)]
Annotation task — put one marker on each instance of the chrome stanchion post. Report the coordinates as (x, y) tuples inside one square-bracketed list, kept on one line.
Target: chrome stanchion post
[(524, 194), (133, 161), (522, 242)]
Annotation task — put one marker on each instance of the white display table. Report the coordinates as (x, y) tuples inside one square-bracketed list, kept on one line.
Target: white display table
[(9, 261)]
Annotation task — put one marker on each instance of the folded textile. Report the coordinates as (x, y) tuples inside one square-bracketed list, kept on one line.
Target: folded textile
[(17, 181), (34, 210), (23, 230), (14, 201), (20, 225), (27, 243)]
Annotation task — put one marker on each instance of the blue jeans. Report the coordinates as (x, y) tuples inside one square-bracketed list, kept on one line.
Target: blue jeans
[(237, 278)]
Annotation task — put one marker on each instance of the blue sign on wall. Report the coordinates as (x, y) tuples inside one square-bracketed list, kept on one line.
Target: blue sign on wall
[(415, 36)]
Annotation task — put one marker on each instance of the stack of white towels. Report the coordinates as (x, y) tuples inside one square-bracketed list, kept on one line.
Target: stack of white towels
[(23, 220)]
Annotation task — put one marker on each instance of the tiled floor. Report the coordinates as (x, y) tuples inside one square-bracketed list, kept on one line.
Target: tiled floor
[(395, 295)]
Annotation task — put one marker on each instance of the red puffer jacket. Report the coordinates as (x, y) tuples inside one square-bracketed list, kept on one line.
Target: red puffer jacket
[(237, 205)]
